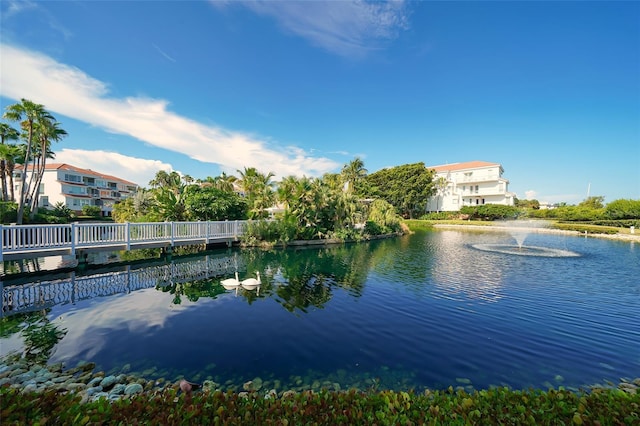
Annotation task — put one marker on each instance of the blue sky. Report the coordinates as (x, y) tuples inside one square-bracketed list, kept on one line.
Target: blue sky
[(551, 90)]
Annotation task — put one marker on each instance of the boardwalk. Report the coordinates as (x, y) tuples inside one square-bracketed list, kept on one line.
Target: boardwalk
[(28, 241)]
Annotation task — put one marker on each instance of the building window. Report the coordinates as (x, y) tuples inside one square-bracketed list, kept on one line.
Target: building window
[(483, 201), (476, 189), (41, 189), (72, 178)]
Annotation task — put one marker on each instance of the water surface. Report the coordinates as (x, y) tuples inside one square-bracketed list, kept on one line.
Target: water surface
[(424, 310)]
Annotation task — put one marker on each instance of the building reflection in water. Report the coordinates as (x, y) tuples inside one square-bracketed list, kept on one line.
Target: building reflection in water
[(461, 271)]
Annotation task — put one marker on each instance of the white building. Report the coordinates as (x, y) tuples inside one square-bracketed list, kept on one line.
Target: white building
[(76, 187), (469, 184)]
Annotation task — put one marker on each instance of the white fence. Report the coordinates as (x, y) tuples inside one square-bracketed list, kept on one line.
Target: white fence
[(41, 240)]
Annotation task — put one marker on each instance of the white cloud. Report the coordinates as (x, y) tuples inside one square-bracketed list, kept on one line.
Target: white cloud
[(136, 170), (346, 28), (69, 91), (530, 194)]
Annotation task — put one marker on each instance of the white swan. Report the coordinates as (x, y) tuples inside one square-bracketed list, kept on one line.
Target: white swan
[(251, 283), (231, 283)]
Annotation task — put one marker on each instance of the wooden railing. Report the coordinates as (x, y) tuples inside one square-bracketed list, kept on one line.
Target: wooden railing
[(44, 240)]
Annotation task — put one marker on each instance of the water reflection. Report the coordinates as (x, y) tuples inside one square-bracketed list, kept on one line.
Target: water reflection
[(458, 270)]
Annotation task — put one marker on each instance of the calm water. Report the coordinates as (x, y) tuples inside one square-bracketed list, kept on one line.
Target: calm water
[(426, 310)]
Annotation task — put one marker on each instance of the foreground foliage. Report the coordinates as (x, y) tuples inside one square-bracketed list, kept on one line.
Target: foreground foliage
[(492, 406)]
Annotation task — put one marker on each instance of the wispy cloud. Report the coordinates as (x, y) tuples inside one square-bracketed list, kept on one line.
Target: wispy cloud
[(15, 7), (346, 28), (137, 170), (69, 91), (162, 52)]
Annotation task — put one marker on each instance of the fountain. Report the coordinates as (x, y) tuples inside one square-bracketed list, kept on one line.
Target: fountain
[(519, 230)]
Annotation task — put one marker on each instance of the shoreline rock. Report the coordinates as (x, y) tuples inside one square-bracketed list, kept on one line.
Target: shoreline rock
[(91, 385)]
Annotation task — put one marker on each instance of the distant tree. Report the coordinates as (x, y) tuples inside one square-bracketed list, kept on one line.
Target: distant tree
[(352, 174), (258, 188), (596, 202), (531, 204), (623, 209), (210, 203), (407, 188)]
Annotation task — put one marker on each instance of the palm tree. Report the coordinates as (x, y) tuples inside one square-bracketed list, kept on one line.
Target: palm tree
[(12, 154), (353, 173), (28, 113), (258, 189), (47, 132), (286, 190), (7, 133)]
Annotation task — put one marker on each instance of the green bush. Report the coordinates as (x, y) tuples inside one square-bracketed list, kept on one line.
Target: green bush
[(281, 230), (8, 211), (491, 212), (91, 211), (585, 228), (384, 216), (441, 216), (623, 209)]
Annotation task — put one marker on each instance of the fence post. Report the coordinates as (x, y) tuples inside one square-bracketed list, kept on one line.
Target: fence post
[(172, 234), (128, 231), (1, 244), (73, 238)]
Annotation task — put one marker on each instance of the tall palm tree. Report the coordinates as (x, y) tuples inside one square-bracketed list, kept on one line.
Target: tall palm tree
[(286, 190), (13, 154), (258, 190), (7, 133), (46, 132), (353, 173), (28, 113)]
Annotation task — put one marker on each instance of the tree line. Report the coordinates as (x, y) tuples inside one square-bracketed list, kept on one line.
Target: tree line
[(343, 205), (316, 206)]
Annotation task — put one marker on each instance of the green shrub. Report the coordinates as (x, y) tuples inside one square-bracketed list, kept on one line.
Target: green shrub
[(623, 209), (384, 216), (91, 211), (491, 212), (440, 216), (281, 230), (8, 211)]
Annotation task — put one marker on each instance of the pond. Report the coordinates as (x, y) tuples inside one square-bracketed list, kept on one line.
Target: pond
[(429, 310)]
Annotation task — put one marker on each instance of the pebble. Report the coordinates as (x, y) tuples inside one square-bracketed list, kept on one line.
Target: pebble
[(92, 385)]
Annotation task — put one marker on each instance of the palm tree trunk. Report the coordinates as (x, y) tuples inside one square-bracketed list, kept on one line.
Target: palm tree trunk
[(3, 175), (23, 188)]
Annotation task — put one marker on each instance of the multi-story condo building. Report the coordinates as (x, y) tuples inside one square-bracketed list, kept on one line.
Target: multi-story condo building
[(469, 184), (76, 187)]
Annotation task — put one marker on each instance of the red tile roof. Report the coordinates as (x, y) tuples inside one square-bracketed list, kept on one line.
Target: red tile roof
[(69, 167), (462, 166)]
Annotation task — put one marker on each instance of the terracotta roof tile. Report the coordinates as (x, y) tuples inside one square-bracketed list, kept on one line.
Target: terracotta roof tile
[(69, 167)]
